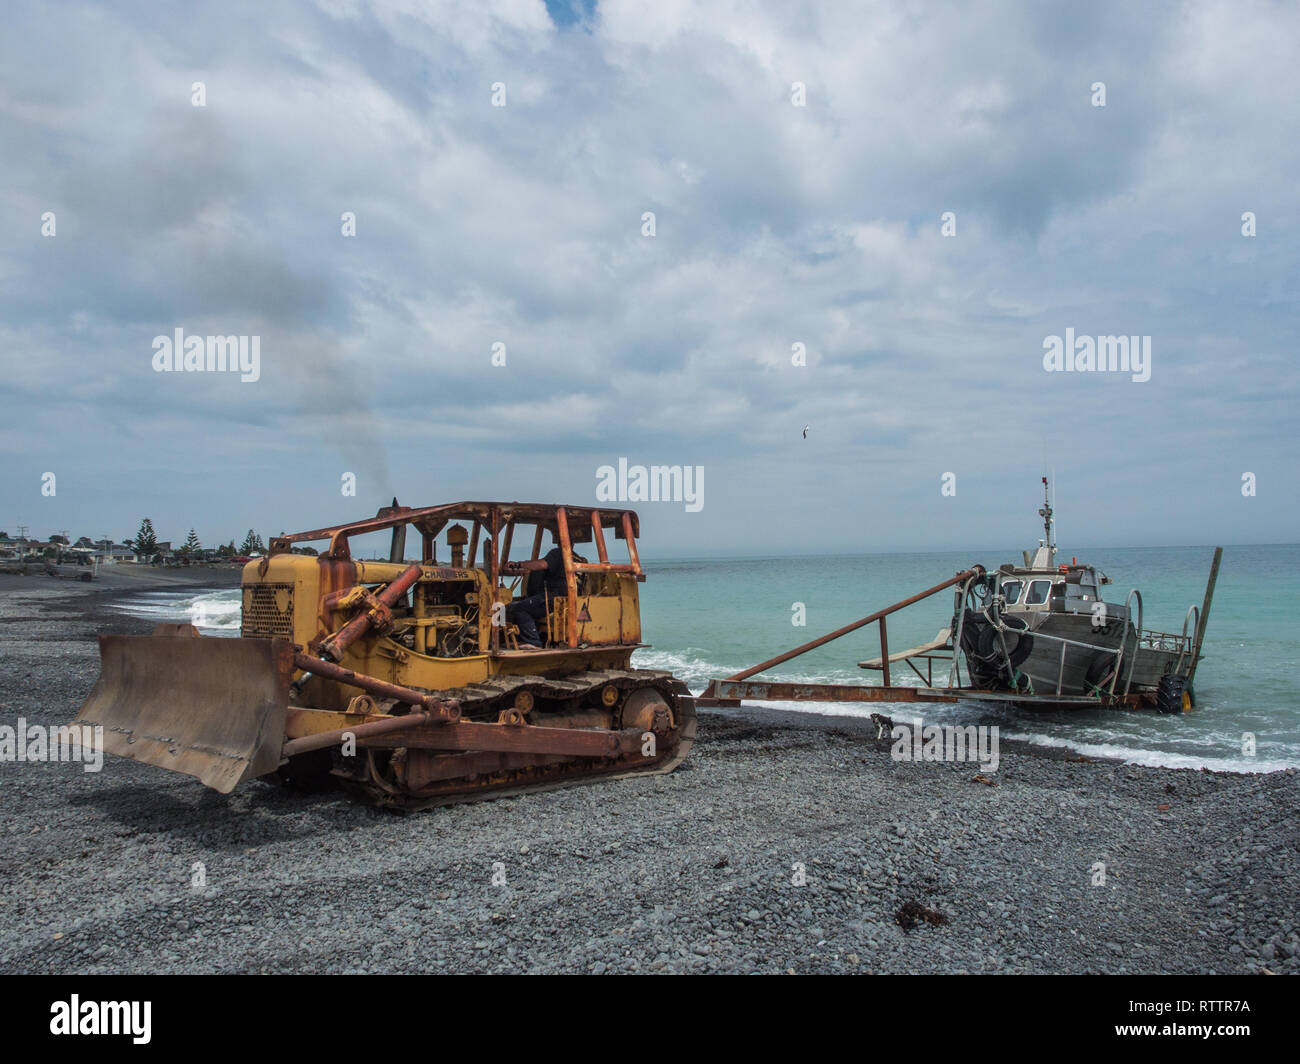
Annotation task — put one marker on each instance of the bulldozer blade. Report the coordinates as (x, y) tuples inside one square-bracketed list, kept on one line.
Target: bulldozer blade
[(209, 707)]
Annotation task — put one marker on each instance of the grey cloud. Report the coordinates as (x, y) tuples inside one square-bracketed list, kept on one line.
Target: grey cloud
[(775, 225)]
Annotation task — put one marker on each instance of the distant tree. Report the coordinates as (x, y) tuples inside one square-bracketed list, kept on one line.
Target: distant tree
[(191, 546), (145, 542), (226, 550), (252, 544), (312, 551)]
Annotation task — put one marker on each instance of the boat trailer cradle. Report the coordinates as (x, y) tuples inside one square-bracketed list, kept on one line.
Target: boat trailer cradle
[(946, 648)]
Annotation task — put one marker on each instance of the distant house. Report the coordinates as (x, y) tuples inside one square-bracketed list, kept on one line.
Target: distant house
[(21, 548), (109, 553)]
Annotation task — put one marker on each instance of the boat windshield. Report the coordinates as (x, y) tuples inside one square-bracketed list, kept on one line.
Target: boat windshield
[(1038, 592), (1011, 591)]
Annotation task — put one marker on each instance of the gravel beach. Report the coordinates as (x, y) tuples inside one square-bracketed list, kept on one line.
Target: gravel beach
[(785, 843)]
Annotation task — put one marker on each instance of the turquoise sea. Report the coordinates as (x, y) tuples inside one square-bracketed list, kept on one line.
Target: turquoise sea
[(710, 618)]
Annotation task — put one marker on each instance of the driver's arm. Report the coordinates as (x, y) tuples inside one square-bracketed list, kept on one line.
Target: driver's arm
[(524, 567)]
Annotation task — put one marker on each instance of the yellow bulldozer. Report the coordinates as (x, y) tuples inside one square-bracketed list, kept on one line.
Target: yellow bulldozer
[(409, 680)]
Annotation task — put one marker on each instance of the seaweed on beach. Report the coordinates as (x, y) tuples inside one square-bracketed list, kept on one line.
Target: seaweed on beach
[(912, 913)]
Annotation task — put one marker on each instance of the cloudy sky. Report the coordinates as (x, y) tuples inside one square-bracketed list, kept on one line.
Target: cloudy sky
[(774, 224)]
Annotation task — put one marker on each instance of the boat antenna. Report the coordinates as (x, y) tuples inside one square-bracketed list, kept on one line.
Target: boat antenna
[(1046, 514)]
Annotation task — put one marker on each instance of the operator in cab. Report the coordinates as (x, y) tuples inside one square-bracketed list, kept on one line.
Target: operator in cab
[(526, 612)]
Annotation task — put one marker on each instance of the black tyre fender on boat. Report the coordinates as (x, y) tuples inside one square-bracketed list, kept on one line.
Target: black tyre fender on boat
[(1173, 694), (986, 641), (1024, 642), (1019, 643)]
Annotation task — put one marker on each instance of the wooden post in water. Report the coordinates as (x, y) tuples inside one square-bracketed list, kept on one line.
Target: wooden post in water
[(1205, 613)]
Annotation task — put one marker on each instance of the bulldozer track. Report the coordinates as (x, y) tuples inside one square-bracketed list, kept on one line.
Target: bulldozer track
[(365, 775)]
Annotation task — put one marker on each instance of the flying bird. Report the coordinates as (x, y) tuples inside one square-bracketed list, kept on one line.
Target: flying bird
[(805, 432)]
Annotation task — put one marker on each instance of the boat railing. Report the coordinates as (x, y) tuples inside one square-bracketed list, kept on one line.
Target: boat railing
[(1169, 643), (1193, 618), (1065, 641), (1147, 639), (1163, 641), (1123, 639), (1118, 651)]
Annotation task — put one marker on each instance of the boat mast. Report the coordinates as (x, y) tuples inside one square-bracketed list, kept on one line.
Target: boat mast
[(1046, 514)]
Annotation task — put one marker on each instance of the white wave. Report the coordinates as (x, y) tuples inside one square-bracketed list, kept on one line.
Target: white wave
[(1154, 758), (828, 709), (693, 671), (209, 611)]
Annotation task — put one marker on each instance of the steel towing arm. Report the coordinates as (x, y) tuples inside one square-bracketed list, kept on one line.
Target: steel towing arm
[(732, 688)]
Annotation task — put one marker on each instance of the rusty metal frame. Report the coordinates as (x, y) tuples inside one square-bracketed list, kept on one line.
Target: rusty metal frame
[(494, 545), (571, 524), (729, 692), (570, 577), (471, 551), (425, 730), (509, 542), (713, 694), (467, 735), (879, 615), (625, 522)]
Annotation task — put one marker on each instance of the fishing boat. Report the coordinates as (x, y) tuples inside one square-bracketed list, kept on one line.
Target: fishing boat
[(1046, 629), (1041, 635)]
